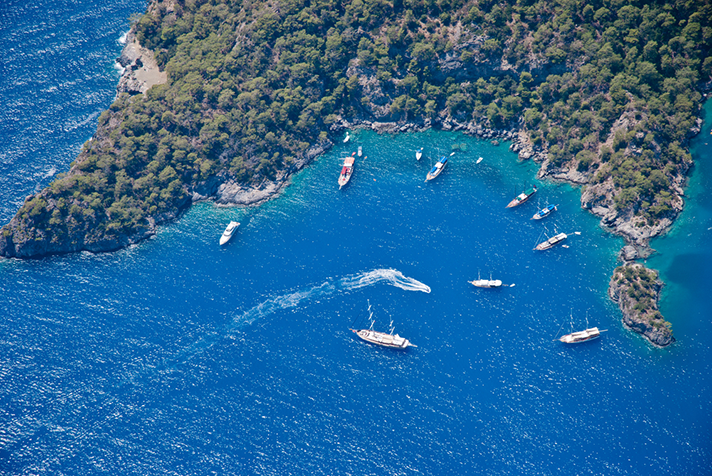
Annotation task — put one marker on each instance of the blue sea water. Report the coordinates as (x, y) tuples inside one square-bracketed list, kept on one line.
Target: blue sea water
[(180, 356)]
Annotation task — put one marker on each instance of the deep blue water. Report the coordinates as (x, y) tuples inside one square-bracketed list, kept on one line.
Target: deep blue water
[(179, 356)]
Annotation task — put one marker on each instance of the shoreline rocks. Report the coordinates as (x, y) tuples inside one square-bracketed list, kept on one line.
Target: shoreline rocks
[(636, 290), (141, 71)]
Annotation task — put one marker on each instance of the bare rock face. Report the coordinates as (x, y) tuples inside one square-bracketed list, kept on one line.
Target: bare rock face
[(636, 289), (233, 193), (140, 68)]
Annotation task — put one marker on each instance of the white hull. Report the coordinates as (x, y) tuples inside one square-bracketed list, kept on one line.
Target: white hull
[(581, 336), (551, 242), (346, 171), (486, 283), (229, 232), (438, 170), (383, 339)]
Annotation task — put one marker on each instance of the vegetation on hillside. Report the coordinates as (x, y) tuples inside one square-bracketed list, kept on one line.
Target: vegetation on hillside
[(252, 84), (640, 287)]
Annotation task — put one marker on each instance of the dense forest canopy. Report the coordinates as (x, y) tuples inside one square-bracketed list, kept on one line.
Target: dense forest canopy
[(606, 87)]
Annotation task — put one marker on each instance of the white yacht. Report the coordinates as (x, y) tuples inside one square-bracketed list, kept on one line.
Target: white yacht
[(229, 231)]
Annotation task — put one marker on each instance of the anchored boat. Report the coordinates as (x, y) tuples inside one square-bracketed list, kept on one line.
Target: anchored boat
[(346, 171), (419, 154), (582, 336), (522, 197), (544, 212), (229, 231), (437, 168), (578, 337), (553, 241), (488, 283)]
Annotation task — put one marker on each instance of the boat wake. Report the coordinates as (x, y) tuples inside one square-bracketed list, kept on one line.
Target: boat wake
[(348, 283), (391, 276), (278, 303), (285, 301)]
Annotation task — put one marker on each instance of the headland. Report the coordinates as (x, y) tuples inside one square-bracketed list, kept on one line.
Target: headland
[(226, 101)]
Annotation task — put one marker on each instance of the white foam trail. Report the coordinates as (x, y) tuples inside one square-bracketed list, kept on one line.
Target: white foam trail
[(391, 276), (285, 301), (281, 302)]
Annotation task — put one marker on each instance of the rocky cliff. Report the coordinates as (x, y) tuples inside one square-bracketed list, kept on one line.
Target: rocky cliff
[(636, 289)]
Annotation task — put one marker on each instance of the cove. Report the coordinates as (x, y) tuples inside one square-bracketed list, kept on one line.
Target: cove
[(239, 357)]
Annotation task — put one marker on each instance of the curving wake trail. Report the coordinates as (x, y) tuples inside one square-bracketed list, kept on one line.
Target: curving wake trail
[(348, 283), (391, 276)]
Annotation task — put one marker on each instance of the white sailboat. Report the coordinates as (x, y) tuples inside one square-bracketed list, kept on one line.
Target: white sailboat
[(578, 337), (553, 241), (488, 283), (383, 339)]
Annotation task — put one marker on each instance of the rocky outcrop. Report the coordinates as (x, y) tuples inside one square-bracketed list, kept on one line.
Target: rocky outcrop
[(229, 192), (78, 233), (636, 289), (598, 199), (140, 68)]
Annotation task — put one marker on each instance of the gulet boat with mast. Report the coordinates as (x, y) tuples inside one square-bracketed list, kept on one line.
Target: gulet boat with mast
[(582, 336), (488, 283), (437, 168), (553, 241), (578, 337), (383, 339), (347, 170), (522, 197), (544, 212)]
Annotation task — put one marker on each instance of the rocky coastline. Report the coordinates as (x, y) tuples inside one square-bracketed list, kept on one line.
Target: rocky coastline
[(597, 199), (141, 72), (636, 289)]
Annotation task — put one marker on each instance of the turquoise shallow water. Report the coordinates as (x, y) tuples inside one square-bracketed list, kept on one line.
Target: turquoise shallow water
[(179, 356), (684, 256)]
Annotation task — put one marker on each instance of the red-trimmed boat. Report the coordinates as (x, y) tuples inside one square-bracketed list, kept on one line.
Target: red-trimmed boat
[(522, 197), (346, 171)]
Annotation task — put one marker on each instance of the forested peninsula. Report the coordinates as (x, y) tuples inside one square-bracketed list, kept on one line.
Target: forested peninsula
[(225, 99)]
